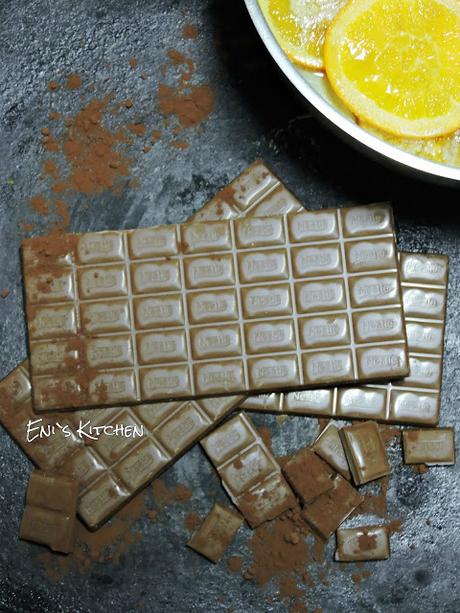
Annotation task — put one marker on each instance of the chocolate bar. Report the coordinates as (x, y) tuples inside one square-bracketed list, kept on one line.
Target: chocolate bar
[(50, 512), (250, 474), (365, 451), (413, 400), (216, 533), (328, 511), (328, 446), (433, 447), (110, 474), (363, 543), (308, 475), (114, 468), (207, 309)]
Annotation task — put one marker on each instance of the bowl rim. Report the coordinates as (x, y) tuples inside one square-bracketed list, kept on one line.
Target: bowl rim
[(433, 170)]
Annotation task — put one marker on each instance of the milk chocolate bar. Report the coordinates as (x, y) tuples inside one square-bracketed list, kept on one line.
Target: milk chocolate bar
[(207, 309), (50, 512), (328, 446), (363, 543), (216, 533), (249, 472), (308, 475), (416, 398), (365, 451), (112, 469), (111, 473), (328, 511), (433, 447)]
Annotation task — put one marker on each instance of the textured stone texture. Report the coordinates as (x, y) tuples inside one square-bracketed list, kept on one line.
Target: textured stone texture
[(257, 115)]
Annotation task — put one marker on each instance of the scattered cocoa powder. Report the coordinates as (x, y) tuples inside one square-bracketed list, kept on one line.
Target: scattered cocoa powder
[(420, 469), (179, 144), (375, 503), (156, 135), (106, 545), (192, 521), (133, 62), (367, 542), (137, 128), (190, 31), (389, 433), (53, 86), (164, 495), (39, 204), (190, 104), (5, 293), (395, 526), (266, 435), (190, 107), (73, 81), (235, 563)]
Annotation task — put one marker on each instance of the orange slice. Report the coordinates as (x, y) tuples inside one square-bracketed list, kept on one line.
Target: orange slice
[(396, 64), (300, 27)]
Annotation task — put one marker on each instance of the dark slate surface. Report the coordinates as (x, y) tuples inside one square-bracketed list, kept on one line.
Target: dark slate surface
[(256, 115)]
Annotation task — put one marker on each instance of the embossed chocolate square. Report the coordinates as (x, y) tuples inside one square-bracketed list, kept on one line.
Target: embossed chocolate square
[(224, 307), (328, 446), (362, 543), (365, 451), (250, 474), (216, 533), (328, 511), (308, 475), (50, 512), (431, 446)]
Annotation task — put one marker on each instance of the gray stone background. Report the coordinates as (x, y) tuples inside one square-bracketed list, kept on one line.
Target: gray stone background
[(256, 115)]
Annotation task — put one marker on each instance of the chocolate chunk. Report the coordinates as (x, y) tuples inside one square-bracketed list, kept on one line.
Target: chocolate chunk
[(363, 543), (433, 447), (329, 446), (50, 512), (365, 451), (308, 475), (216, 533), (328, 511)]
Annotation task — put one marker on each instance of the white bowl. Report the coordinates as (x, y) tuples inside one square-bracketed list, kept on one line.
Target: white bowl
[(316, 90)]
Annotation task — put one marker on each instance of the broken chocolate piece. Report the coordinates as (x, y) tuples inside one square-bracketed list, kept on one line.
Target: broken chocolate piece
[(308, 475), (328, 511), (50, 512), (365, 451), (363, 543), (216, 533), (329, 446), (433, 447)]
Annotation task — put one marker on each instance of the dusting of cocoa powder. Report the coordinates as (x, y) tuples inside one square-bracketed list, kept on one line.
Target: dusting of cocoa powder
[(192, 521), (188, 103), (106, 545), (110, 542), (235, 563), (190, 31), (73, 81), (163, 495), (367, 542)]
